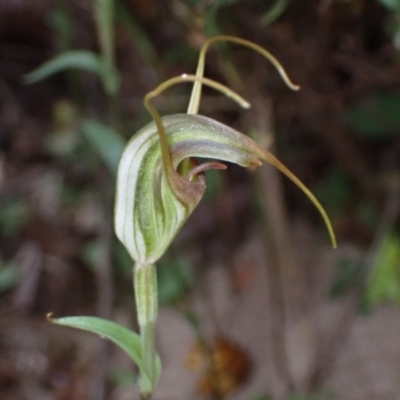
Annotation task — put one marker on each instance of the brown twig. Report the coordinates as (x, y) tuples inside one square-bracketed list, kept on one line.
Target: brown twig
[(278, 243)]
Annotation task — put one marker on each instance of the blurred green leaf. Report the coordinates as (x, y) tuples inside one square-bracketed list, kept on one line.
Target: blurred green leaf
[(393, 5), (78, 59), (107, 142), (377, 116), (14, 215), (384, 281), (9, 276)]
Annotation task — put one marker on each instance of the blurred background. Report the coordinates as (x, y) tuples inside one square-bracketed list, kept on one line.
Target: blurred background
[(255, 304)]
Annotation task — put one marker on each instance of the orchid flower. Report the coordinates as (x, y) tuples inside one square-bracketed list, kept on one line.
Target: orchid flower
[(153, 198)]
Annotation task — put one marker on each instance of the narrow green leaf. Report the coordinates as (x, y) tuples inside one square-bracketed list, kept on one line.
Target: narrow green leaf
[(107, 142), (78, 59), (127, 340)]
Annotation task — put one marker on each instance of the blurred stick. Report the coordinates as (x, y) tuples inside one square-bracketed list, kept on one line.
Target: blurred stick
[(293, 325), (269, 188)]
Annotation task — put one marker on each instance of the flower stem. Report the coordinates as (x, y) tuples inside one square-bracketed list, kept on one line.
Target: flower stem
[(145, 283)]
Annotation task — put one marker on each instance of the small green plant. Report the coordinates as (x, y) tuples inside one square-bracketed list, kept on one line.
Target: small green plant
[(159, 184)]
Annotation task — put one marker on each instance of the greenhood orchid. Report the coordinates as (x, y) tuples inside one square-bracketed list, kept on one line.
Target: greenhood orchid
[(159, 184)]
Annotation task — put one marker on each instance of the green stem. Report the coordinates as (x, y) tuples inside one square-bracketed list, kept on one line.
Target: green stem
[(145, 283), (147, 337), (104, 10)]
